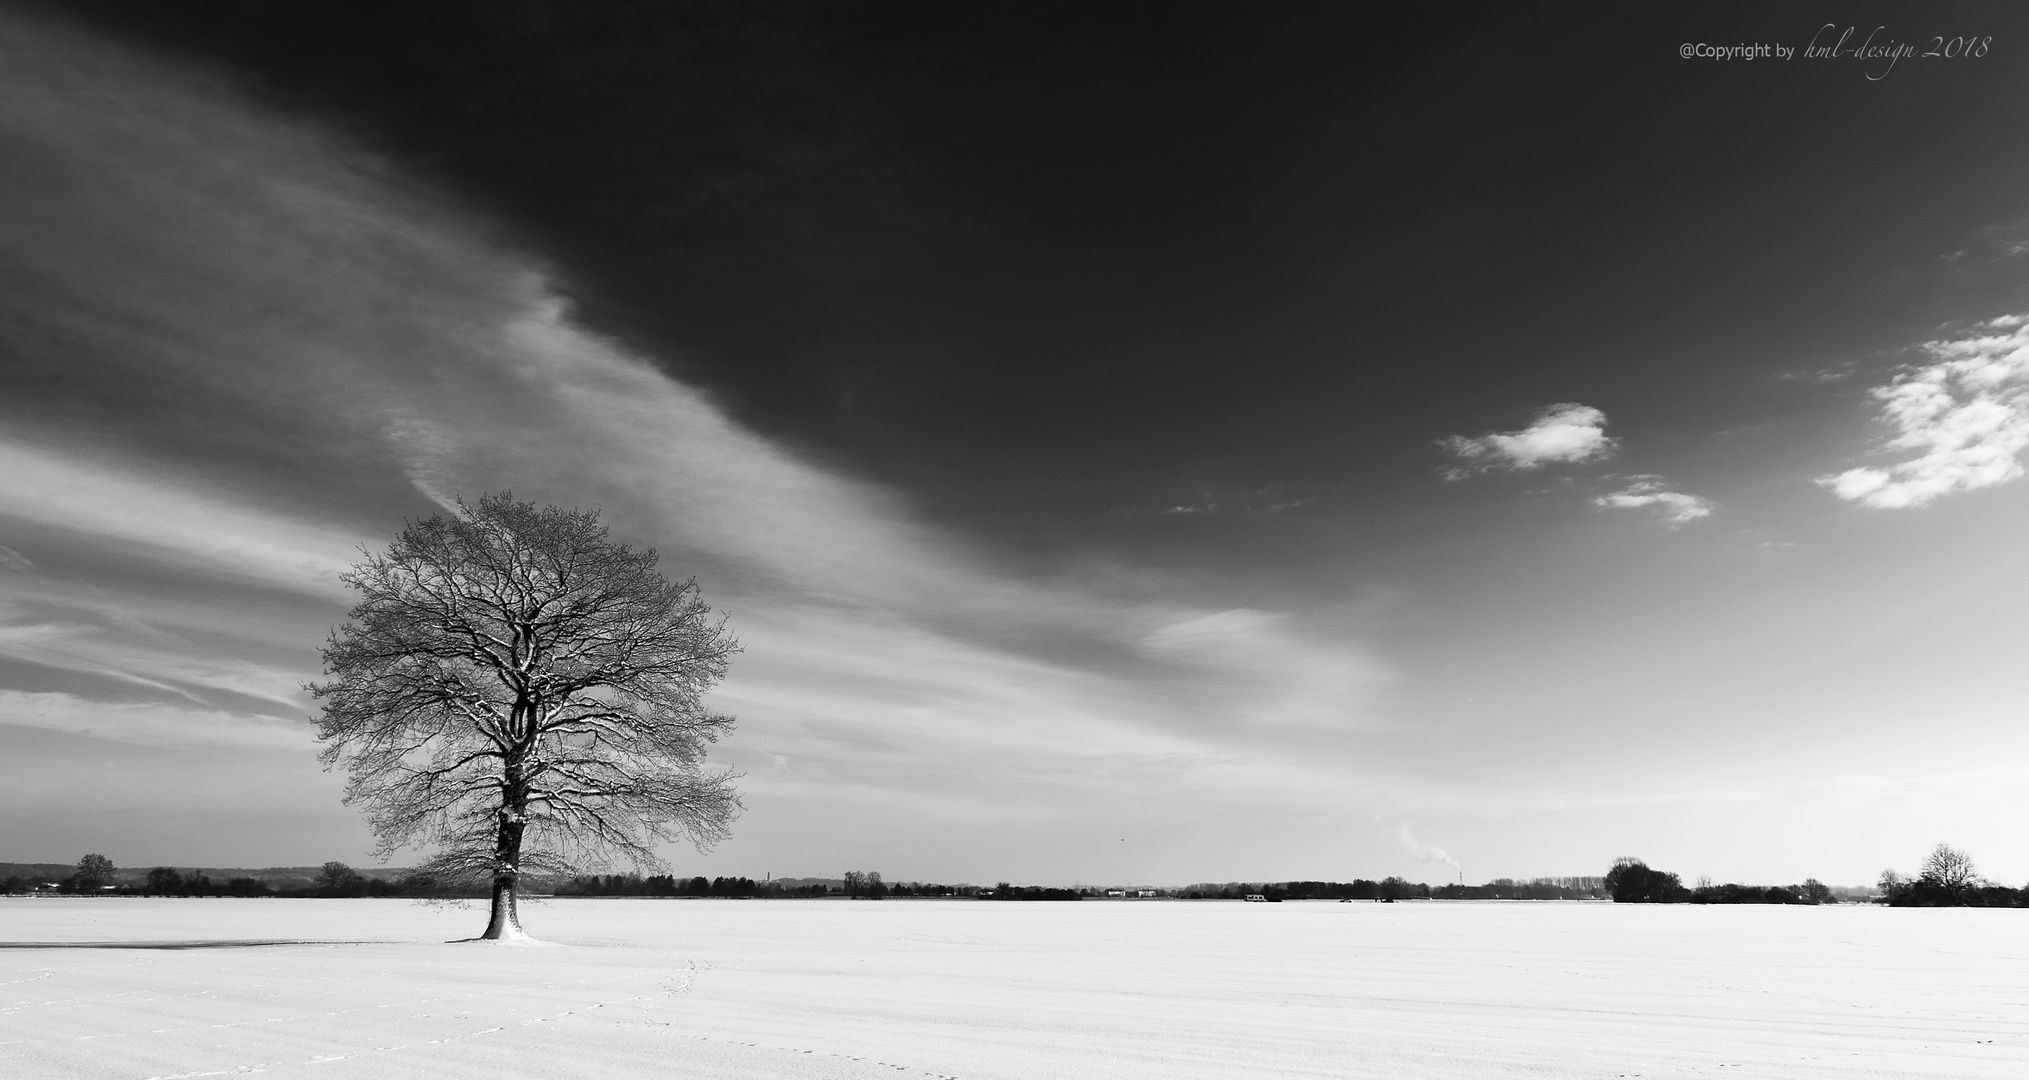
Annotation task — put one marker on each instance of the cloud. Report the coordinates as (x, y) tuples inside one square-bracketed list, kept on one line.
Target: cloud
[(1268, 499), (15, 561), (1260, 667), (153, 511), (1567, 432), (1214, 637), (151, 724), (198, 665), (1651, 492), (1965, 415)]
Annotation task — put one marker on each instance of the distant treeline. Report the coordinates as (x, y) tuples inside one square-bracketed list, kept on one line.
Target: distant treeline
[(1545, 888), (1947, 878), (1920, 893), (95, 875), (1632, 881), (1395, 888), (856, 885), (665, 885)]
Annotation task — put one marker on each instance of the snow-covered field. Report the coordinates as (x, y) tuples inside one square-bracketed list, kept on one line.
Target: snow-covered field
[(760, 989)]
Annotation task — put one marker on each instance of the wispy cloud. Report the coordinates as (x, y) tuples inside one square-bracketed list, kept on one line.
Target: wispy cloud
[(1992, 246), (150, 724), (1653, 493), (165, 516), (1567, 432), (1269, 499), (1965, 415), (1258, 667), (201, 667)]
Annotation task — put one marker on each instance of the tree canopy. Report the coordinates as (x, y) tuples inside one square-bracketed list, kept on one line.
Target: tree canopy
[(94, 872), (1630, 881), (1948, 868), (527, 696)]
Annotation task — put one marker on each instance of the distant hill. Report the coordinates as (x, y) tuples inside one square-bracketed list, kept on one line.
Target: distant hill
[(39, 871)]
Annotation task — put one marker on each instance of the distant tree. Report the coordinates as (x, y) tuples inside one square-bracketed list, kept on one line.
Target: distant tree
[(1947, 867), (336, 877), (1630, 881), (855, 883), (1815, 892), (94, 873), (875, 890), (165, 881), (527, 696)]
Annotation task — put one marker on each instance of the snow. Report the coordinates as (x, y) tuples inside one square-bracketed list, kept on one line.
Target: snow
[(977, 990)]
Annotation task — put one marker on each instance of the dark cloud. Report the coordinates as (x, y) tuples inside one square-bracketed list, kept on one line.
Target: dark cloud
[(1036, 262)]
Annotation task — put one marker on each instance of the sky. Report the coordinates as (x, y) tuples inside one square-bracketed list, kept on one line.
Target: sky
[(1141, 444)]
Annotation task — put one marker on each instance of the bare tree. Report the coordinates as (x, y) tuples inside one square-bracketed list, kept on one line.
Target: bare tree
[(94, 873), (1949, 867), (335, 876), (527, 696)]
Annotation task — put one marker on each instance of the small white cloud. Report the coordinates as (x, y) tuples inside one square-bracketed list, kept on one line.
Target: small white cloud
[(11, 559), (1652, 492), (1268, 499), (1567, 432), (1965, 414)]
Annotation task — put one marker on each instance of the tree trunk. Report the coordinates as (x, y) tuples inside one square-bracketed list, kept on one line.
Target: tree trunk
[(504, 924)]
